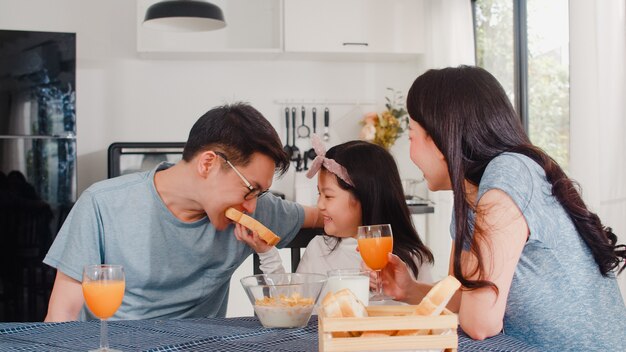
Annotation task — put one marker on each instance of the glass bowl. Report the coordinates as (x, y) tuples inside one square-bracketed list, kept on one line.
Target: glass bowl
[(283, 300)]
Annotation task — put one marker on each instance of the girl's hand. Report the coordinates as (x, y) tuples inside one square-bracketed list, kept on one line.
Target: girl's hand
[(251, 238), (397, 279)]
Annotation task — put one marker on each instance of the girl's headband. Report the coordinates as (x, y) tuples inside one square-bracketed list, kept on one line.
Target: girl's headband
[(329, 164)]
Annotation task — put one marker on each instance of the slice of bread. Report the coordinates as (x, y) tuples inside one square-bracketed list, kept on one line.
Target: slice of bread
[(349, 304), (438, 297), (343, 304), (266, 234), (434, 302), (378, 333)]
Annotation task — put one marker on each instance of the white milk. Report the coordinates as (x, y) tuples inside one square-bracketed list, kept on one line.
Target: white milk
[(358, 284), (284, 317)]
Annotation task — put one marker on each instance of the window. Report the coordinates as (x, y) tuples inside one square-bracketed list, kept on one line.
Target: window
[(524, 44)]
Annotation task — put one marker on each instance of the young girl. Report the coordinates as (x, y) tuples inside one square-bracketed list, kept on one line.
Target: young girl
[(358, 184), (535, 263)]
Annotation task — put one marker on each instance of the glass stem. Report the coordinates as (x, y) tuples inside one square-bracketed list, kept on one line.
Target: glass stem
[(104, 335), (379, 284)]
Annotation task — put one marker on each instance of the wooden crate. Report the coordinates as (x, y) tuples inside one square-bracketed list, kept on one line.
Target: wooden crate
[(389, 318)]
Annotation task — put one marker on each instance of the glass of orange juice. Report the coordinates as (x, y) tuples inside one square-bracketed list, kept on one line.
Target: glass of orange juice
[(103, 289), (375, 243)]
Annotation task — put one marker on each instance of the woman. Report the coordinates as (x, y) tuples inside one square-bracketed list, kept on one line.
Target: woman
[(533, 260)]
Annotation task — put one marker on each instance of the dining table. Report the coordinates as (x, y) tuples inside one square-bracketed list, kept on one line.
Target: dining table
[(199, 334)]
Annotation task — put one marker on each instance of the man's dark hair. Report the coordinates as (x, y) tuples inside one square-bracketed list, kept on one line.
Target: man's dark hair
[(238, 130)]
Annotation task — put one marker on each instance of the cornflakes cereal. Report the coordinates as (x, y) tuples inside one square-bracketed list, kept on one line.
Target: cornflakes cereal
[(295, 300)]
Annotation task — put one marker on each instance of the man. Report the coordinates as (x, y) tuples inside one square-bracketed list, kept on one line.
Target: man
[(167, 226)]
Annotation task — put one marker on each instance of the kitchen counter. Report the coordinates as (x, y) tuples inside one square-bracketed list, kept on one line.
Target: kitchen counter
[(421, 209)]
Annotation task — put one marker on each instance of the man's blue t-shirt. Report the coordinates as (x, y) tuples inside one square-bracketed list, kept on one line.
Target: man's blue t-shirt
[(558, 300), (174, 269)]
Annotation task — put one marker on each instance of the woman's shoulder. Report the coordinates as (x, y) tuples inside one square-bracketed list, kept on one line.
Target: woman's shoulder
[(511, 169), (512, 163), (517, 175)]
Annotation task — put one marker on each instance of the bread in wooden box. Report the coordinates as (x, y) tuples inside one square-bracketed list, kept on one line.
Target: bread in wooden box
[(393, 327), (395, 318), (435, 301), (343, 304)]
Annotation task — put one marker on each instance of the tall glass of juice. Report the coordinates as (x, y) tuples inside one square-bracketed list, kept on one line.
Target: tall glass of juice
[(375, 243), (103, 289)]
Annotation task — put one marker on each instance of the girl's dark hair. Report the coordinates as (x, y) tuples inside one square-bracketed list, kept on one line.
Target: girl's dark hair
[(378, 188), (240, 131), (469, 117)]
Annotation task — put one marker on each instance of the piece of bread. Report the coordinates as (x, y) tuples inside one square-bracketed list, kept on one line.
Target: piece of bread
[(266, 234), (438, 297), (434, 302), (332, 309), (379, 333), (349, 304), (343, 304)]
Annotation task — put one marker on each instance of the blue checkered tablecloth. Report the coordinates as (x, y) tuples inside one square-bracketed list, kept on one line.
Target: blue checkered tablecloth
[(207, 334)]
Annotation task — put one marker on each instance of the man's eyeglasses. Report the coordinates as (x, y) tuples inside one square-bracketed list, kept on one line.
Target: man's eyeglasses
[(254, 192)]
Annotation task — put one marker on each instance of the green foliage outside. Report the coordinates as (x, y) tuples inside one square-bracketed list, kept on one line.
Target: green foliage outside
[(548, 71)]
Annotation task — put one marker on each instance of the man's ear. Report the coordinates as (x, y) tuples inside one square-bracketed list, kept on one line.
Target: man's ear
[(205, 162)]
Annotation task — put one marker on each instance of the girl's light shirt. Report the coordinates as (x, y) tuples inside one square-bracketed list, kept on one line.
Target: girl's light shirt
[(320, 258)]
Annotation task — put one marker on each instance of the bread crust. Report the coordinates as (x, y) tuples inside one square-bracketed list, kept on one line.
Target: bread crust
[(349, 304), (264, 233), (378, 333), (344, 304), (438, 297), (434, 302)]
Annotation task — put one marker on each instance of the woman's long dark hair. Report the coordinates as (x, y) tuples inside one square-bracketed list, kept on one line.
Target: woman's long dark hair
[(471, 120), (378, 188)]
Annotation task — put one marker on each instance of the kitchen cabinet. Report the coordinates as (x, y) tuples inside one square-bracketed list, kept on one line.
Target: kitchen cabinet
[(392, 27), (286, 29), (253, 27)]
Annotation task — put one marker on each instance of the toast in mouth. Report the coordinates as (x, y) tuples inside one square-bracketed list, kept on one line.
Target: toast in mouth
[(266, 234)]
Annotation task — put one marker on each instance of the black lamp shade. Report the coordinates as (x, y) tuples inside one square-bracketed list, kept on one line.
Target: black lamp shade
[(184, 16)]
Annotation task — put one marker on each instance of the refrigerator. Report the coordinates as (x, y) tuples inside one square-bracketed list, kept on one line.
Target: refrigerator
[(37, 163)]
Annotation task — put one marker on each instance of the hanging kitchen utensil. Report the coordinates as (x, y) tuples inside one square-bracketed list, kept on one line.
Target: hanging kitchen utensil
[(326, 123), (310, 154), (295, 152), (299, 162), (303, 130), (287, 147)]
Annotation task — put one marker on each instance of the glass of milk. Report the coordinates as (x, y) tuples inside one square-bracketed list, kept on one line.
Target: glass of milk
[(357, 280)]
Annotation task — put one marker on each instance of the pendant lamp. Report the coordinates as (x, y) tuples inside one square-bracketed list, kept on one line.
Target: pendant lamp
[(184, 16)]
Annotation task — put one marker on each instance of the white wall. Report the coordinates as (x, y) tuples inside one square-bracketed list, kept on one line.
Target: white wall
[(450, 43), (598, 109)]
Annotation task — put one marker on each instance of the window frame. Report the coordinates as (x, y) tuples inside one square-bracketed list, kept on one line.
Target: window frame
[(520, 57)]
